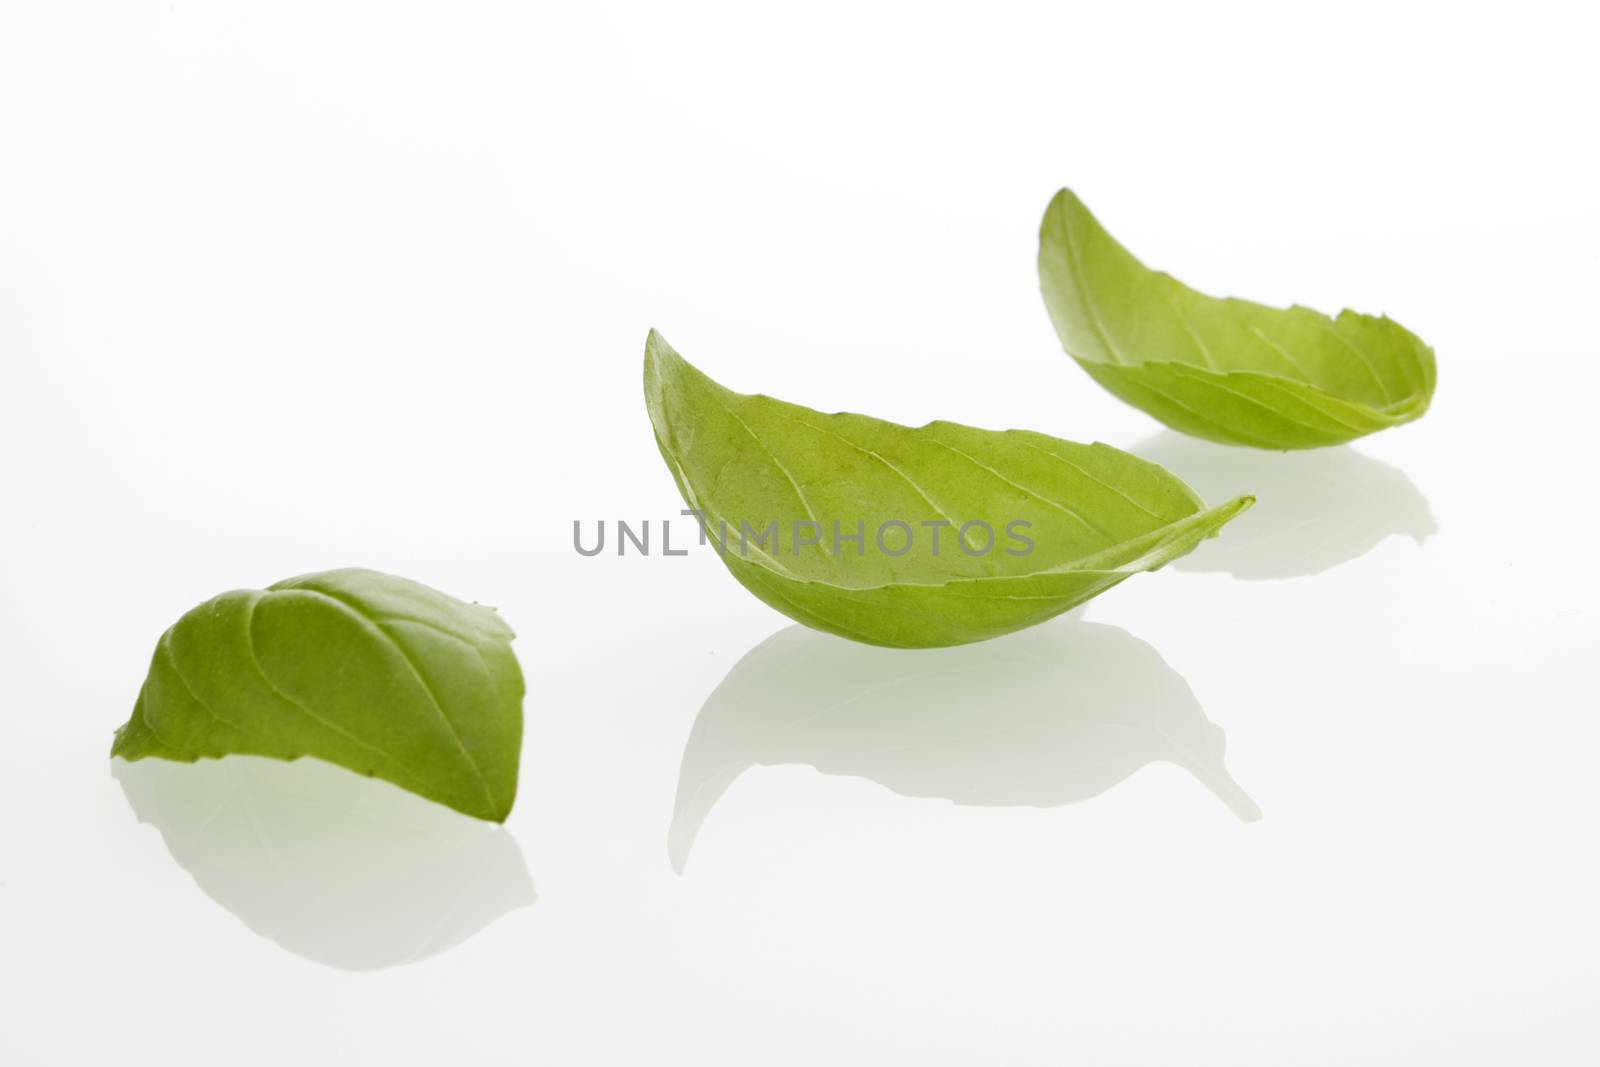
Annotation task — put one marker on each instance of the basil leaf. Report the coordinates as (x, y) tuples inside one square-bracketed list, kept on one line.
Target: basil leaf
[(1223, 369), (751, 465), (377, 674), (1046, 718)]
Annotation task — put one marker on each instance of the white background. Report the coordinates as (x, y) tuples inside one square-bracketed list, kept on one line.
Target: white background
[(294, 286)]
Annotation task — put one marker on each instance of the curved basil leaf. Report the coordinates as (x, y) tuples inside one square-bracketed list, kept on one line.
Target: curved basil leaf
[(1223, 369), (1094, 515), (377, 674)]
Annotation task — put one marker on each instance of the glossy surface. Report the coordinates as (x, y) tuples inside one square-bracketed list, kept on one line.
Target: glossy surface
[(251, 246)]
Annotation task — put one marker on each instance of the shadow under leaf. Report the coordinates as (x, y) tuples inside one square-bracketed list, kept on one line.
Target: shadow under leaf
[(1314, 509), (1046, 717), (347, 871)]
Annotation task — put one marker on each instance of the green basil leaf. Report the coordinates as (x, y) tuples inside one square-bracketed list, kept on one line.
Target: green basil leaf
[(1093, 515), (1224, 369), (378, 674)]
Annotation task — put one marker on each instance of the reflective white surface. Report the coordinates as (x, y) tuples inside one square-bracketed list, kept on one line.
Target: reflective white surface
[(1049, 716), (290, 287), (340, 869)]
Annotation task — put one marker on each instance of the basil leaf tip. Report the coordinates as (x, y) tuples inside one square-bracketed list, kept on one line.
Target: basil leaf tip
[(911, 537), (377, 674), (1224, 369)]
